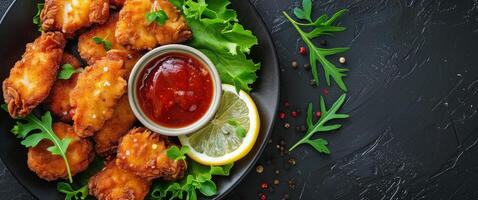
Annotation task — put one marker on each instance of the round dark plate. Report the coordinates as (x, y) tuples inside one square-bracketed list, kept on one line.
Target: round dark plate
[(17, 29)]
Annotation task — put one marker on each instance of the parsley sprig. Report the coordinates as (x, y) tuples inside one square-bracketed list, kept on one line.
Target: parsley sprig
[(176, 153), (199, 178), (71, 193), (326, 116), (36, 130), (67, 70), (159, 17), (106, 44), (323, 25), (36, 18)]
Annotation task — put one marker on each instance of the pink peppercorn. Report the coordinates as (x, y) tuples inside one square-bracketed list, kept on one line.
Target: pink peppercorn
[(302, 50)]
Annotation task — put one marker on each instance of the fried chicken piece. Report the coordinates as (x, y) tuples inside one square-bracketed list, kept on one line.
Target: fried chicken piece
[(119, 3), (106, 139), (91, 52), (134, 31), (97, 92), (69, 16), (58, 102), (52, 167), (144, 153), (33, 76), (114, 183)]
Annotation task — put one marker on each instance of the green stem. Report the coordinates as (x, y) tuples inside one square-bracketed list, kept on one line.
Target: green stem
[(55, 140)]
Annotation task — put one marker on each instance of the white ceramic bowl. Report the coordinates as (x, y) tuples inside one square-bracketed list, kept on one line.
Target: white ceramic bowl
[(136, 73)]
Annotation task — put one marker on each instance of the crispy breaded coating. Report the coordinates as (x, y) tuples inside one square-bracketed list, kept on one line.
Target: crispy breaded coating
[(58, 102), (114, 183), (33, 76), (144, 153), (90, 51), (69, 16), (52, 167), (97, 91), (106, 139), (134, 31), (117, 2)]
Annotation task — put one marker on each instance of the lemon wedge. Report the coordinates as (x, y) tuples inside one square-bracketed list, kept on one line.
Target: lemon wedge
[(230, 135)]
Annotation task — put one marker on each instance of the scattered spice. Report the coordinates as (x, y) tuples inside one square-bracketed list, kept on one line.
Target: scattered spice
[(270, 141), (342, 60), (318, 114), (291, 183), (325, 91), (294, 114), (259, 169), (312, 82), (277, 171), (294, 64), (291, 162), (307, 66), (286, 104), (302, 50), (264, 185), (263, 197), (282, 115), (323, 42), (276, 181), (287, 125)]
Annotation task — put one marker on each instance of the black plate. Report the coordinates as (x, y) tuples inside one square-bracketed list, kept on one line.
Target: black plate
[(16, 29)]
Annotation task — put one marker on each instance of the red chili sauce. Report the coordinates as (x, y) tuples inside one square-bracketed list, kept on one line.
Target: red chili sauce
[(176, 90)]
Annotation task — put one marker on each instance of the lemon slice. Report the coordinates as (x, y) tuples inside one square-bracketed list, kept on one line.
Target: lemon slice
[(230, 135)]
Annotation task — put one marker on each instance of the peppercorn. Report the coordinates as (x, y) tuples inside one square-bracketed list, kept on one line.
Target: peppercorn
[(307, 66), (312, 82), (277, 171), (263, 197), (259, 169), (318, 114), (291, 183), (302, 50), (342, 60), (291, 162), (294, 64), (264, 186), (282, 115), (286, 125), (286, 104), (323, 42), (325, 91), (294, 114), (276, 181)]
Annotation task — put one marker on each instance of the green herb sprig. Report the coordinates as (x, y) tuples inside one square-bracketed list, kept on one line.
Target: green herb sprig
[(67, 70), (322, 26), (176, 153), (199, 178), (67, 189), (106, 44), (36, 130), (36, 18), (326, 116), (159, 17)]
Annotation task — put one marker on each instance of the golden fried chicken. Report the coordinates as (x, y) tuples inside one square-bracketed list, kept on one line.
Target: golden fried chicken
[(134, 31), (69, 16), (114, 183), (52, 167), (33, 76), (117, 2), (106, 139), (97, 92), (91, 51), (144, 153), (58, 102)]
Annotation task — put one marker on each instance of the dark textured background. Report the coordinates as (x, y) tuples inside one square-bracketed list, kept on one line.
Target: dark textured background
[(412, 100)]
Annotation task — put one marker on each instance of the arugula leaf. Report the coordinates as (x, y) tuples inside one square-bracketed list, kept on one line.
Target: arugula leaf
[(217, 33), (35, 130), (4, 107), (240, 131), (67, 70), (177, 3), (199, 178), (305, 13), (320, 126), (159, 16), (66, 188), (106, 44), (323, 26), (36, 18), (177, 154)]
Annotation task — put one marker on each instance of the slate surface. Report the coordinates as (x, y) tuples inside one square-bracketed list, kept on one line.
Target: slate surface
[(412, 98)]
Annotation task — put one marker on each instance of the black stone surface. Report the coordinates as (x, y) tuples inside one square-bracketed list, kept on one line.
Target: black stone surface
[(412, 98)]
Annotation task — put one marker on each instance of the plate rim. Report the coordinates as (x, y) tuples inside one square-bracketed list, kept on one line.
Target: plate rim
[(262, 146)]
